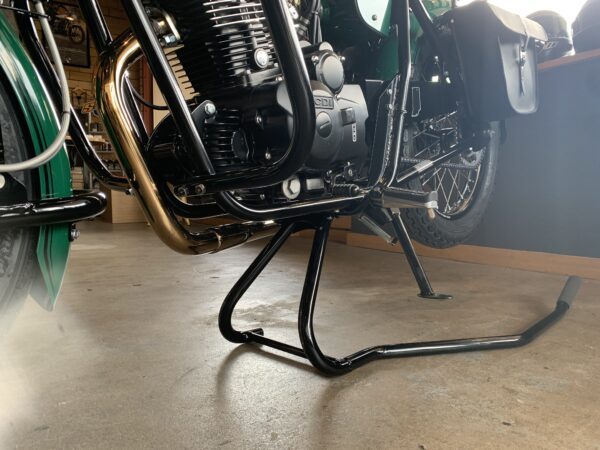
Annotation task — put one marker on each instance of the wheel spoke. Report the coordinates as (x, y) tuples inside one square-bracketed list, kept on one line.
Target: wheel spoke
[(431, 177), (441, 186), (455, 186)]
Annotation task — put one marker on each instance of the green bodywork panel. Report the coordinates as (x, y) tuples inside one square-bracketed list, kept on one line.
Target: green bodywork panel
[(388, 66), (376, 15), (31, 98)]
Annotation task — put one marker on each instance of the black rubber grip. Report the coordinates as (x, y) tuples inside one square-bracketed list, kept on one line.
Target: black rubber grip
[(570, 291)]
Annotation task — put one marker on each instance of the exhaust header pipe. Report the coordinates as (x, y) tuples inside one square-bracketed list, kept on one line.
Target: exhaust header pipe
[(117, 116)]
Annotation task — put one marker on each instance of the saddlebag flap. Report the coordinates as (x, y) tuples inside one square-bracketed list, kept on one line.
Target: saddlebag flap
[(497, 55)]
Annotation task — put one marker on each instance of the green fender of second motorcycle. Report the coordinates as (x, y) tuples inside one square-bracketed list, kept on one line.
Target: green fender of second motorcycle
[(376, 15), (40, 122)]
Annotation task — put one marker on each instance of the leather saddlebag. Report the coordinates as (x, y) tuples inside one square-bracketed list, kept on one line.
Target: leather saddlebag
[(497, 54)]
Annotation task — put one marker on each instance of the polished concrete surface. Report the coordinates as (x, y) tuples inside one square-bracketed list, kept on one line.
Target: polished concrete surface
[(132, 357)]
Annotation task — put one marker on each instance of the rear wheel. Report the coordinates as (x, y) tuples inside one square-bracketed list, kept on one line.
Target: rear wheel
[(76, 34), (464, 184), (17, 246)]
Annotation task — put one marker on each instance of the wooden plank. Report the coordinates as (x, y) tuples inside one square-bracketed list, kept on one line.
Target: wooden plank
[(515, 259), (571, 59), (342, 223), (339, 236)]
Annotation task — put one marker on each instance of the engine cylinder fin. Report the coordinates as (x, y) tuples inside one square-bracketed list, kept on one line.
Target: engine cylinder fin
[(220, 40)]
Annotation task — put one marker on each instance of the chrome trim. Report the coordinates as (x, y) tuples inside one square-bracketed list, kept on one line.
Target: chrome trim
[(111, 80)]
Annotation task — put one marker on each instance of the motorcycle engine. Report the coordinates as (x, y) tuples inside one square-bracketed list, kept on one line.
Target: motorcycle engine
[(224, 56)]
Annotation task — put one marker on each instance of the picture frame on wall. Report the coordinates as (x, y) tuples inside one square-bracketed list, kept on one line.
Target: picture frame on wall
[(71, 33)]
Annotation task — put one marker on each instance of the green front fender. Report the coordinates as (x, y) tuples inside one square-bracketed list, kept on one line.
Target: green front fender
[(40, 122)]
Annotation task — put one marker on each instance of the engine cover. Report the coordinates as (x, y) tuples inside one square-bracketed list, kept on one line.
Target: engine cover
[(340, 128)]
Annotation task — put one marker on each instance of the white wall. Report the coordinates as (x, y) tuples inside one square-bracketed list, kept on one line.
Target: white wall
[(566, 8)]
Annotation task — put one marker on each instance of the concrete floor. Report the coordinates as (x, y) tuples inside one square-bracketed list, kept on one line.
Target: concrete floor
[(132, 357)]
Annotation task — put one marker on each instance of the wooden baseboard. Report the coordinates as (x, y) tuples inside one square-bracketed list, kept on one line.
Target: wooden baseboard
[(515, 259), (339, 236), (571, 59)]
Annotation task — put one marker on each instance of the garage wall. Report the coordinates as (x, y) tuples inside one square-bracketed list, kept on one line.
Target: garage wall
[(82, 77), (547, 193), (546, 198)]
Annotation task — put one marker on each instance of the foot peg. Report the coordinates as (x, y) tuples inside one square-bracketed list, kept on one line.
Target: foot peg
[(398, 198)]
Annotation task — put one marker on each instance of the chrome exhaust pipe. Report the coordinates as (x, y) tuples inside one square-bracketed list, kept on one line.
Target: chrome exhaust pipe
[(112, 105)]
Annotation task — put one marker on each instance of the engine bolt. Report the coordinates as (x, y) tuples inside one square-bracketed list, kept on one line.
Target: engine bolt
[(200, 189), (315, 59), (268, 156), (74, 234), (292, 188), (374, 17), (261, 58), (210, 109)]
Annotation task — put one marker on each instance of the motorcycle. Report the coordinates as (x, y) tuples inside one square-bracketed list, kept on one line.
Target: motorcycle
[(390, 111), (63, 23)]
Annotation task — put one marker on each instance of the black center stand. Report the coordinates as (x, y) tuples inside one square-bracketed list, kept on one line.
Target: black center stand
[(338, 366)]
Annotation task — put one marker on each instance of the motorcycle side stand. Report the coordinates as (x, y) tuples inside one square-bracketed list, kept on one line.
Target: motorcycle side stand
[(338, 366)]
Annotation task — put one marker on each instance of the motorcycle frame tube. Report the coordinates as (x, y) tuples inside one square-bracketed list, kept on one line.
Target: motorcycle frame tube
[(426, 23), (92, 13), (90, 9), (76, 131), (111, 91), (335, 204), (401, 16), (53, 211), (102, 40), (167, 82)]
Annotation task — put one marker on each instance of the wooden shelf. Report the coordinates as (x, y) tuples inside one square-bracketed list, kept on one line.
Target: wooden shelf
[(571, 59)]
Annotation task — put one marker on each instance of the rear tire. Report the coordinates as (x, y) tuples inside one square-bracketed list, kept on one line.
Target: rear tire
[(448, 231), (460, 214)]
